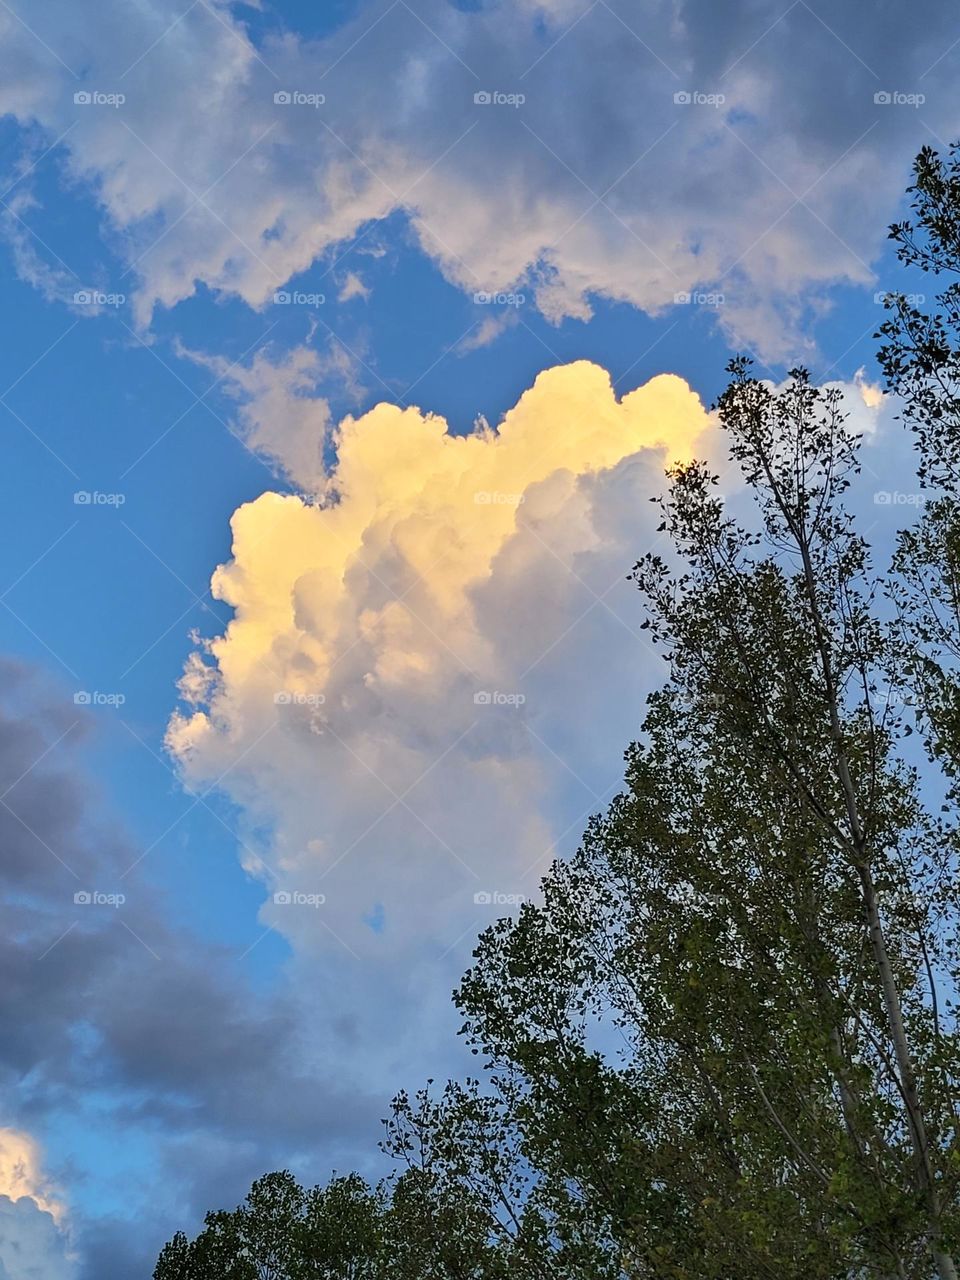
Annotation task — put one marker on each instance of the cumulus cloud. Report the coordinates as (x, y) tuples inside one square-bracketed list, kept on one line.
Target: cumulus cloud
[(31, 1245), (657, 150), (413, 643), (33, 1242), (21, 1172)]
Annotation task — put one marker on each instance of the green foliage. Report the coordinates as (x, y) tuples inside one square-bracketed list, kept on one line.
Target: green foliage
[(282, 1232)]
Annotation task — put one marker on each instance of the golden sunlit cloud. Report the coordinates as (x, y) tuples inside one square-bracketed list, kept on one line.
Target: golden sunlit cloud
[(426, 513), (21, 1171), (426, 572)]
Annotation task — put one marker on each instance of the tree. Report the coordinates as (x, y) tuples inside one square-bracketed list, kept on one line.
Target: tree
[(921, 360), (282, 1232)]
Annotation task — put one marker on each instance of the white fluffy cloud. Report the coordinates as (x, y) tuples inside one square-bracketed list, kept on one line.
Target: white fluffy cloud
[(409, 695), (600, 183)]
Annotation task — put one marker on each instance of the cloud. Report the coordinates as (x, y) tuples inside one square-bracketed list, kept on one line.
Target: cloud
[(352, 287), (282, 418), (622, 174), (33, 1242), (21, 1172), (413, 643), (31, 1245), (487, 331), (871, 393)]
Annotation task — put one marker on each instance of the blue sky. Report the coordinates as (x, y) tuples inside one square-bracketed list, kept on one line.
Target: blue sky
[(172, 1047)]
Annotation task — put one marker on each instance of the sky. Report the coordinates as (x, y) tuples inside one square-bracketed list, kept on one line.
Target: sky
[(344, 346)]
